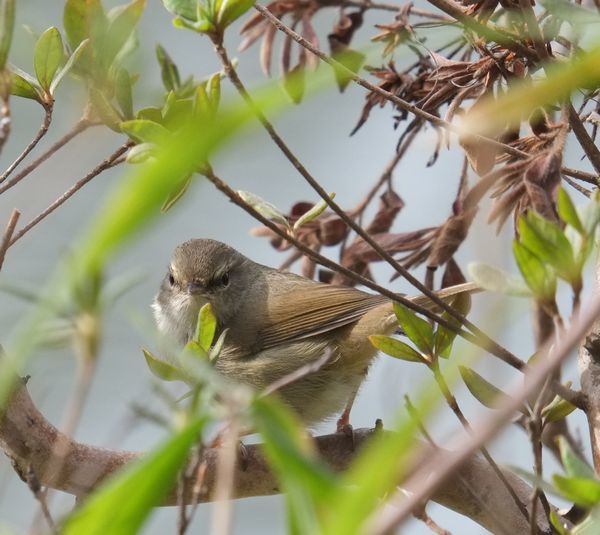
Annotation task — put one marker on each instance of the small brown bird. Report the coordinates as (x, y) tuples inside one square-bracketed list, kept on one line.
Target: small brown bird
[(278, 322)]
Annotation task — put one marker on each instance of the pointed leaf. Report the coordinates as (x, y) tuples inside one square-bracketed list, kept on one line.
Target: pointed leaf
[(396, 348), (73, 58), (24, 87), (175, 195), (568, 212), (558, 524), (583, 491), (263, 207), (121, 28), (168, 70), (141, 153), (215, 350), (231, 10), (183, 8), (496, 280), (145, 131), (313, 213), (540, 280), (162, 369), (83, 19), (574, 465), (213, 88), (483, 391), (150, 114), (557, 409), (123, 93), (49, 55), (206, 327), (105, 110), (124, 501), (444, 338), (417, 329)]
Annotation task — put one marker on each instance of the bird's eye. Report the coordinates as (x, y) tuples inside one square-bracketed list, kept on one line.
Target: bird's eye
[(171, 279), (224, 279)]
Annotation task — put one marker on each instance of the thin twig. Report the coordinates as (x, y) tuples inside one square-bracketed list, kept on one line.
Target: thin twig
[(80, 126), (103, 166), (34, 485), (584, 139), (40, 134), (8, 233)]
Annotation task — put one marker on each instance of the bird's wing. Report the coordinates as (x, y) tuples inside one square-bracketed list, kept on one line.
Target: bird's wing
[(318, 309)]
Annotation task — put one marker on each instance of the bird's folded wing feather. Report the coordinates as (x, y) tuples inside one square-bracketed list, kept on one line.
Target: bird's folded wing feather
[(317, 309)]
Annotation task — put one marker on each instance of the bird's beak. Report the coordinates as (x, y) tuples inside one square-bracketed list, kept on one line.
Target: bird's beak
[(193, 288)]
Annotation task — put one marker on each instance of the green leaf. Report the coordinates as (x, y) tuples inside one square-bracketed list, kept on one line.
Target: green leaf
[(263, 207), (145, 131), (313, 213), (123, 93), (141, 153), (557, 409), (231, 10), (483, 391), (540, 280), (176, 194), (546, 240), (176, 113), (294, 83), (559, 525), (568, 212), (396, 348), (73, 58), (583, 491), (168, 70), (23, 85), (206, 327), (162, 369), (492, 279), (573, 464), (150, 114), (121, 28), (417, 329), (83, 19), (105, 110), (49, 55), (307, 481), (215, 350), (7, 23), (124, 502), (443, 337), (213, 88), (183, 8)]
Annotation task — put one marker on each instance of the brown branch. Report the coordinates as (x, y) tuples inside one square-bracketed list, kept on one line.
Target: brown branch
[(48, 107), (584, 139), (439, 466), (8, 233), (28, 439), (106, 164), (80, 126)]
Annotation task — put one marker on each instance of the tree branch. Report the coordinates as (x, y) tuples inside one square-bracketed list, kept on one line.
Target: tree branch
[(29, 439)]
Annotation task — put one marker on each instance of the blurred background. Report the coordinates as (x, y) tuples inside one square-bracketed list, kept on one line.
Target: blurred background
[(318, 131)]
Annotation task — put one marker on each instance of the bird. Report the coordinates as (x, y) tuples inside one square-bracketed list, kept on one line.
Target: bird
[(277, 322)]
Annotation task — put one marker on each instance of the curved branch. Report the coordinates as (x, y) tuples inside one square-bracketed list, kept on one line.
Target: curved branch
[(29, 440)]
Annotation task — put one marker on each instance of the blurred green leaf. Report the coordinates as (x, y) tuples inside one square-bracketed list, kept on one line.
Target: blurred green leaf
[(7, 23), (83, 19), (313, 213), (24, 85), (215, 350), (142, 130), (141, 153), (540, 280), (120, 28), (263, 207), (483, 391), (289, 450), (294, 83), (124, 502), (496, 280), (558, 524), (183, 8), (573, 464), (557, 409), (105, 110), (48, 56), (176, 112), (230, 10), (568, 212), (213, 88), (417, 329), (162, 369), (206, 327), (546, 240), (168, 70), (73, 59), (150, 114), (123, 92), (396, 348), (351, 59), (176, 194), (583, 491)]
